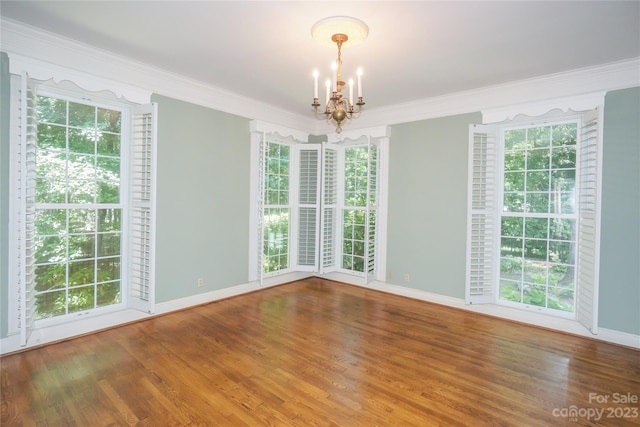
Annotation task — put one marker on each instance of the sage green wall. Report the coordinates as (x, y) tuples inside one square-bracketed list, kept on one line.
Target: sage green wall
[(4, 190), (202, 199), (427, 220), (428, 208), (619, 307)]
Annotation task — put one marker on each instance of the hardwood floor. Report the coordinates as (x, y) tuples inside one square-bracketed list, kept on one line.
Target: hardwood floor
[(320, 353)]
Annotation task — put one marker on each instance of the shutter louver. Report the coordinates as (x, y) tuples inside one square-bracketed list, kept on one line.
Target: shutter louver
[(308, 208), (26, 208), (142, 208), (329, 210), (482, 223), (588, 223), (372, 209)]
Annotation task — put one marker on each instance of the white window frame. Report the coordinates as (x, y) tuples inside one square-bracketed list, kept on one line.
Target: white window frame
[(56, 82), (377, 136), (483, 240)]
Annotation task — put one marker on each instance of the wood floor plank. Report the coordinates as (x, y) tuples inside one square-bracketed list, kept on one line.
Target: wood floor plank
[(320, 353)]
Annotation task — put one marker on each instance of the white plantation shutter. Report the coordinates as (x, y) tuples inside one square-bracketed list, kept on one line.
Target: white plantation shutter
[(482, 222), (329, 231), (372, 211), (25, 208), (589, 166), (142, 208), (308, 207), (262, 158)]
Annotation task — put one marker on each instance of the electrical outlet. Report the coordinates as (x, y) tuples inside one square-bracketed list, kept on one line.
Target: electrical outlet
[(406, 277), (200, 282), (389, 274)]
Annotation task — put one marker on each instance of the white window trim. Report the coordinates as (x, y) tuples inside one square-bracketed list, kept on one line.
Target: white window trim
[(259, 130), (40, 70), (571, 106), (54, 81)]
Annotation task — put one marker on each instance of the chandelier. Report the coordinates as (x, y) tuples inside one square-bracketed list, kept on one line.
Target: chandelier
[(338, 107)]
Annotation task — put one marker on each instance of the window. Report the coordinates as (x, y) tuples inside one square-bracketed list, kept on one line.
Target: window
[(277, 211), (317, 207), (78, 207), (359, 213), (533, 227), (538, 216), (83, 169)]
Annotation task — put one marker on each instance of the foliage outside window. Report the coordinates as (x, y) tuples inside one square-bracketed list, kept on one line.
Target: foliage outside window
[(357, 178), (277, 211), (78, 223), (538, 220)]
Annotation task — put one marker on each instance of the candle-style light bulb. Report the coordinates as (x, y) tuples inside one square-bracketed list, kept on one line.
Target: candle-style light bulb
[(359, 82)]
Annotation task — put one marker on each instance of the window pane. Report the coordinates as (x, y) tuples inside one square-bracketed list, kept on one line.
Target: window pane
[(82, 141), (538, 181), (539, 136), (51, 110), (68, 171), (535, 295), (538, 202), (108, 244), (82, 272), (561, 299), (81, 298), (563, 157), (50, 276), (82, 246), (108, 144), (515, 139), (562, 229), (109, 219), (538, 159), (108, 120), (109, 293), (108, 192), (50, 221), (562, 252), (81, 191), (540, 246), (514, 160), (82, 220), (565, 134), (52, 136), (536, 228), (535, 249), (51, 304), (510, 290), (514, 181), (563, 180), (535, 272), (511, 247), (82, 115), (108, 269), (512, 226), (514, 202)]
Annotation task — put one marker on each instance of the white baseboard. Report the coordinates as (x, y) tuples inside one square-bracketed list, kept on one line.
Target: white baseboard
[(66, 330), (80, 327), (531, 318)]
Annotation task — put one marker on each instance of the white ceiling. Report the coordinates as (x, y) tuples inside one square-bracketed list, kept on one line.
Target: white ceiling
[(415, 49)]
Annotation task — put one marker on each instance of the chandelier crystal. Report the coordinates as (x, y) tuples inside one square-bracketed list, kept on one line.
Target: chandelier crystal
[(338, 107)]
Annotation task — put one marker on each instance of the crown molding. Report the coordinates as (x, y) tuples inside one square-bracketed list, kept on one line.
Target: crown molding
[(28, 41), (601, 78)]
